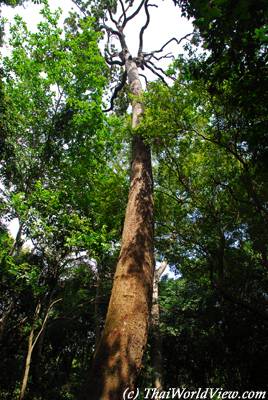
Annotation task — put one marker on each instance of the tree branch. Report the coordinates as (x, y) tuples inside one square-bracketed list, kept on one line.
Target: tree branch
[(161, 70), (110, 30), (159, 271), (145, 78), (170, 195), (133, 15), (112, 18), (45, 320), (168, 55), (117, 33), (57, 105), (168, 42), (123, 12), (117, 90), (155, 73), (146, 6), (80, 8), (113, 62)]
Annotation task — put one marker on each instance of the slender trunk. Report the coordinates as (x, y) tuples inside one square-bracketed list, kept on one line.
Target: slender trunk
[(155, 329), (31, 344), (29, 354), (119, 354), (27, 366)]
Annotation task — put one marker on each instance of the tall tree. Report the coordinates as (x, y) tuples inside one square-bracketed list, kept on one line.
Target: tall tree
[(119, 352), (118, 356)]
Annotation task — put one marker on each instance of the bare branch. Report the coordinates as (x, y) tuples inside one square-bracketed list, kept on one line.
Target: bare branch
[(145, 78), (177, 168), (114, 62), (117, 33), (112, 18), (123, 11), (155, 73), (168, 55), (161, 70), (45, 320), (80, 8), (109, 57), (18, 241), (126, 10), (108, 29), (108, 45), (168, 42), (227, 147), (146, 6), (133, 15), (117, 90), (166, 192)]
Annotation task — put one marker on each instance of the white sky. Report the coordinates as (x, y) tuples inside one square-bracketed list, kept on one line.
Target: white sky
[(165, 22)]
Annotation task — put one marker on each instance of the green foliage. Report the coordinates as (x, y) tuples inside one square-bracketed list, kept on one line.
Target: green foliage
[(64, 181), (12, 3), (211, 202)]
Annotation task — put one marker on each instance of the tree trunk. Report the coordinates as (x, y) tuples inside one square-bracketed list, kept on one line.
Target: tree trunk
[(31, 344), (155, 329), (29, 354), (27, 366), (119, 354)]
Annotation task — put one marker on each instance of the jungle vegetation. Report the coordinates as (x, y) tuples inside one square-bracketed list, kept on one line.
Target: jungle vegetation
[(107, 174)]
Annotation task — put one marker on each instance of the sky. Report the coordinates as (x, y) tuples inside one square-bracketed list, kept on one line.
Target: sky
[(165, 22)]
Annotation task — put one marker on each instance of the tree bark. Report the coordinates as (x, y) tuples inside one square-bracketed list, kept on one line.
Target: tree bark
[(118, 357)]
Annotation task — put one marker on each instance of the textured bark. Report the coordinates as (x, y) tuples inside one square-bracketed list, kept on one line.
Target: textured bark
[(119, 354), (156, 334)]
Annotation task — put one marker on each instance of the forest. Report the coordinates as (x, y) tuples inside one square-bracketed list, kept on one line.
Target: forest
[(138, 186)]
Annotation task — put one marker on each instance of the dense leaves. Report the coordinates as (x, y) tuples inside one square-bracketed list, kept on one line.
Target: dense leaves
[(211, 224), (58, 167)]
